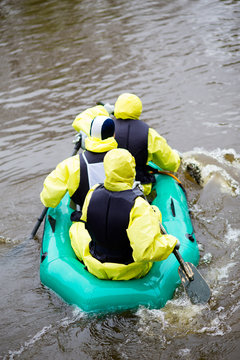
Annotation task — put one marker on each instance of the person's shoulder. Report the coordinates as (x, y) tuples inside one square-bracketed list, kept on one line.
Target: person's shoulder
[(140, 201)]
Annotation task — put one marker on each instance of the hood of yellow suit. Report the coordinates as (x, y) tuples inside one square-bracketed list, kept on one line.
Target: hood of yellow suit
[(96, 145), (119, 166), (128, 106), (83, 121)]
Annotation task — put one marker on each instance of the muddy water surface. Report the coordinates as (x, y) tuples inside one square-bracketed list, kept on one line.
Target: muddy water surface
[(182, 59)]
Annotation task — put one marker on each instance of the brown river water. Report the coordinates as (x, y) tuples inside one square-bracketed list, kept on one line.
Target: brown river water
[(182, 58)]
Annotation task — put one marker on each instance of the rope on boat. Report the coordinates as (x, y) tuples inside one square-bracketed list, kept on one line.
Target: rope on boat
[(165, 173)]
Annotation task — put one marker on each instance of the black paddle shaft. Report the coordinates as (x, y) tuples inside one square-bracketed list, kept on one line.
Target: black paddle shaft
[(183, 265), (38, 223), (44, 212), (187, 270)]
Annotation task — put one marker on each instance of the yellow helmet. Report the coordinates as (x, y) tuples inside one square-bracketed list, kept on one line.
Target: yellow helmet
[(128, 106)]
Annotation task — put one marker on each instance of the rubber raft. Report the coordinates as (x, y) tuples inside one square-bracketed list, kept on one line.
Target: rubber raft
[(62, 272)]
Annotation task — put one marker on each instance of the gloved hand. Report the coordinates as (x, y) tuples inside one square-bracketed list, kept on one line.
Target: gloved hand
[(177, 246), (83, 136), (138, 185), (77, 138), (109, 108)]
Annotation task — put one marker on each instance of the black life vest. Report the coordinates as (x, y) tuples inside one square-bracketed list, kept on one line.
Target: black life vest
[(107, 221), (132, 135), (86, 159)]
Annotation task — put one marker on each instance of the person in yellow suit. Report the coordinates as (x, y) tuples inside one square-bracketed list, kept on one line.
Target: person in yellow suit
[(118, 236), (82, 122), (144, 143), (131, 133), (79, 173)]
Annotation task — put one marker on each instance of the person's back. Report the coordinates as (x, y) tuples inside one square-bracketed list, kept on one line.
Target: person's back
[(118, 236), (80, 172), (144, 143)]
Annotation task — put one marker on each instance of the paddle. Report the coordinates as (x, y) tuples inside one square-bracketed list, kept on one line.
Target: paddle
[(43, 214), (194, 284)]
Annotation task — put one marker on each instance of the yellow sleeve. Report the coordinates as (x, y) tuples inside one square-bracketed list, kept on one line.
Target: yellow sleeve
[(160, 153), (83, 121), (146, 240), (65, 177), (79, 235), (79, 238)]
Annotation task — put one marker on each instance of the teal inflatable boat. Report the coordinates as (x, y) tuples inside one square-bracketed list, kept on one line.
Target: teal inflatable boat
[(61, 271)]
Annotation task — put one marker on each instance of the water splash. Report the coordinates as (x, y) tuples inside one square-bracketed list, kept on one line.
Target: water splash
[(29, 343), (232, 236), (224, 156), (181, 318), (219, 166), (4, 240), (207, 258)]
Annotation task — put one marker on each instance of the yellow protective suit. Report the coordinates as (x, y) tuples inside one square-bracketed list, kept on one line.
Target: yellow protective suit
[(129, 106), (143, 230), (66, 176)]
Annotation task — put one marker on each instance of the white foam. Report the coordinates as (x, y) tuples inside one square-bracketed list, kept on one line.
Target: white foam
[(216, 172), (176, 315), (217, 327), (30, 342), (226, 183), (4, 240), (180, 317), (220, 275), (232, 235), (184, 352), (207, 258), (219, 154)]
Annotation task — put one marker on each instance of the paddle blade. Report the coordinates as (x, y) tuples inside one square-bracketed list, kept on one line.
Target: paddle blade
[(197, 289)]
